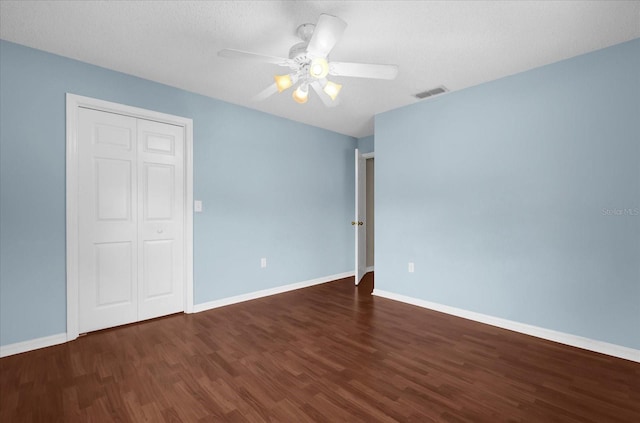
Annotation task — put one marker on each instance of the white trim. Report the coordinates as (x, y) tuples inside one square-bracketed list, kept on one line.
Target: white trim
[(267, 292), (369, 269), (72, 217), (74, 102), (548, 334), (368, 155), (32, 344), (188, 217)]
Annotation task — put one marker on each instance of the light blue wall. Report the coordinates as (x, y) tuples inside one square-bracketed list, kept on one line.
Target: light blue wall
[(366, 144), (271, 188), (508, 195)]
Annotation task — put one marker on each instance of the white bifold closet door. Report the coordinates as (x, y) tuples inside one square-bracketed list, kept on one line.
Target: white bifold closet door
[(131, 219)]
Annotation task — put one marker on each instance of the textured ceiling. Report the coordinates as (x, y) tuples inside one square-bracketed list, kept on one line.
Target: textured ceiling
[(455, 44)]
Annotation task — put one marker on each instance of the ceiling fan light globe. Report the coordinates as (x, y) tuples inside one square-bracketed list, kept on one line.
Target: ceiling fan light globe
[(332, 89), (319, 68), (283, 82), (301, 95)]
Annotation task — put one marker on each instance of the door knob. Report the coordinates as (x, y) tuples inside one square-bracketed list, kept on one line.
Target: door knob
[(357, 223)]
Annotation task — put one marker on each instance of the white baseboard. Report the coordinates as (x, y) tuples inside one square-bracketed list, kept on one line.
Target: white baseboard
[(548, 334), (32, 344), (266, 292), (369, 269)]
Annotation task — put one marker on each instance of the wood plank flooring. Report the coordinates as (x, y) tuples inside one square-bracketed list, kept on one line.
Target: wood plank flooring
[(329, 353)]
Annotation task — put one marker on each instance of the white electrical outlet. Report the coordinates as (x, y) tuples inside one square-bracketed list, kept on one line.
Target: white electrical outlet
[(412, 267), (263, 262), (197, 206)]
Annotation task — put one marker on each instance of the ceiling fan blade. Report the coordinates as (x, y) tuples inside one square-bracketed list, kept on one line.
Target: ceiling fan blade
[(267, 92), (324, 96), (326, 34), (363, 70), (239, 54)]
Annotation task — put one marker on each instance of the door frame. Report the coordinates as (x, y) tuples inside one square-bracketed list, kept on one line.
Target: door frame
[(73, 103)]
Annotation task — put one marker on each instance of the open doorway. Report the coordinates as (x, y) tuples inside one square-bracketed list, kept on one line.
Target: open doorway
[(367, 283), (370, 168), (364, 218)]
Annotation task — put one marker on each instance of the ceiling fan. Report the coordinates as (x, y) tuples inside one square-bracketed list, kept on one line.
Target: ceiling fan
[(310, 66)]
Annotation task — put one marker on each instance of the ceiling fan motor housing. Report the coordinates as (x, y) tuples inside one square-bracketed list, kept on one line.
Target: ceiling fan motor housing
[(298, 51)]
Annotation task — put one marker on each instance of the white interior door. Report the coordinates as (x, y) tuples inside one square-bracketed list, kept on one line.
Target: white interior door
[(130, 219), (108, 245), (161, 219), (360, 214)]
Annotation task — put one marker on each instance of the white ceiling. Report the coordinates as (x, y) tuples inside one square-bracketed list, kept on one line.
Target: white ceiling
[(455, 44)]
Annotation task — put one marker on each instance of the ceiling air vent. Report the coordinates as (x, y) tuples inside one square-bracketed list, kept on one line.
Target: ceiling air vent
[(430, 93)]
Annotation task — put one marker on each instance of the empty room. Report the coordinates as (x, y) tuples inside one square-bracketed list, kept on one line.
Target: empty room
[(320, 211)]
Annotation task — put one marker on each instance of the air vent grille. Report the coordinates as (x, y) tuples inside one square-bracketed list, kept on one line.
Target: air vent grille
[(430, 93)]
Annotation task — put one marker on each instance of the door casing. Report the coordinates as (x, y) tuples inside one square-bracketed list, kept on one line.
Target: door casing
[(74, 102)]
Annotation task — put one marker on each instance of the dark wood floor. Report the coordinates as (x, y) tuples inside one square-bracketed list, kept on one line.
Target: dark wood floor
[(329, 353)]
